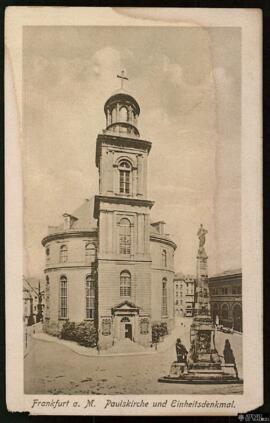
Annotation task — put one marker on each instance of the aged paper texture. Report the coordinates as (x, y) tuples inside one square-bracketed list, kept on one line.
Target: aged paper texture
[(133, 211)]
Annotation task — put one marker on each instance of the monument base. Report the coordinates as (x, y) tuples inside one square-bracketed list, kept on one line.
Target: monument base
[(201, 374)]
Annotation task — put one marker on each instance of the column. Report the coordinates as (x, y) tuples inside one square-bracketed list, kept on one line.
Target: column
[(130, 114), (110, 170), (140, 175), (114, 233), (110, 231)]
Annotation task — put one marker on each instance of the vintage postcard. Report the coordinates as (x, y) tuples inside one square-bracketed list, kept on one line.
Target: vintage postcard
[(133, 211)]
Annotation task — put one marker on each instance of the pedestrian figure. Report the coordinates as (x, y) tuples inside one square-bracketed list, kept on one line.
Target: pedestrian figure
[(229, 356), (181, 351)]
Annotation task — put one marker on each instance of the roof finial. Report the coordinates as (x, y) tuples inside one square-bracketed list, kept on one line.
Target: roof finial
[(123, 77)]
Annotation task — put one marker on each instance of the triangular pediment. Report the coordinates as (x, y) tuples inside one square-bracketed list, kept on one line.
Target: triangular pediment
[(126, 306)]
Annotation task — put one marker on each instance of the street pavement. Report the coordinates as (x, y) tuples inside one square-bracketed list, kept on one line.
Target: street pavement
[(51, 368)]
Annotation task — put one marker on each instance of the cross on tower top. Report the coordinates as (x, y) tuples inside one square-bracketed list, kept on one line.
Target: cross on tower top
[(123, 77)]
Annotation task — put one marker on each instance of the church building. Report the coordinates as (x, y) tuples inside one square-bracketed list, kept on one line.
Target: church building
[(107, 261)]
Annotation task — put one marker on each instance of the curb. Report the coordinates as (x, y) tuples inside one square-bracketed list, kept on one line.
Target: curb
[(93, 353)]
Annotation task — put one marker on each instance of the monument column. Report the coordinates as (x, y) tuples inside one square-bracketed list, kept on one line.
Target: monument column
[(203, 363)]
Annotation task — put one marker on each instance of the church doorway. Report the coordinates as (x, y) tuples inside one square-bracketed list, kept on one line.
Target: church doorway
[(126, 328), (128, 331)]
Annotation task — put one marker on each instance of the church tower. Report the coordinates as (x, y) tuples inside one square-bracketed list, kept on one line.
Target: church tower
[(122, 210)]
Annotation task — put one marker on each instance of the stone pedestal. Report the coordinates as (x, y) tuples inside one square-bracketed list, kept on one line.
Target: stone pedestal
[(178, 369)]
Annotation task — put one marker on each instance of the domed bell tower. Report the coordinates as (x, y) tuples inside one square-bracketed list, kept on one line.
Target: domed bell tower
[(122, 210)]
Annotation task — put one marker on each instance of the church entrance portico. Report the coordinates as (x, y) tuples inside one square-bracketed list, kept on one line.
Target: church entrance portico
[(125, 321), (129, 322)]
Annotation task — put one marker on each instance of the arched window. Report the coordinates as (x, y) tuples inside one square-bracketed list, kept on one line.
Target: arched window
[(114, 115), (90, 253), (125, 284), (164, 310), (124, 177), (125, 236), (225, 312), (123, 114), (63, 254), (90, 297), (164, 258), (63, 311)]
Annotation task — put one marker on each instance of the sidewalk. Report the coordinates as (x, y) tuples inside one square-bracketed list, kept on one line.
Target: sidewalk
[(113, 351)]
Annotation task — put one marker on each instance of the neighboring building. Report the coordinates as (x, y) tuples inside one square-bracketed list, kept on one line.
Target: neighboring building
[(31, 293), (184, 289), (226, 299), (27, 306), (107, 262)]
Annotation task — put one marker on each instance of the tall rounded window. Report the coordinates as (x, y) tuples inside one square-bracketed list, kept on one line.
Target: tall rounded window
[(125, 284), (63, 310), (164, 258), (63, 254), (164, 307), (124, 177), (90, 297), (125, 236)]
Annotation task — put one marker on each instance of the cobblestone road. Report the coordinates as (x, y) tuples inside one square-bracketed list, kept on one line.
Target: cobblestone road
[(54, 369)]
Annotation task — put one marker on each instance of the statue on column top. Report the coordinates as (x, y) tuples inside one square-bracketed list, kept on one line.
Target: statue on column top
[(201, 235)]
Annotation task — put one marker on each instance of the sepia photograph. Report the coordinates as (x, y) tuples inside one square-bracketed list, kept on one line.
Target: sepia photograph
[(131, 167)]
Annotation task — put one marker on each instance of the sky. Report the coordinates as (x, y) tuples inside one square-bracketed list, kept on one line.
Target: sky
[(187, 82)]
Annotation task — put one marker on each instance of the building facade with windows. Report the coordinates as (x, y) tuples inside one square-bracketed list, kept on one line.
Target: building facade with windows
[(184, 291), (225, 292), (107, 261), (33, 298)]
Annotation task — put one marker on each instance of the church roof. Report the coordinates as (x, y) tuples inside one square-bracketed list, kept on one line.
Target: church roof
[(83, 219), (230, 272), (122, 94), (84, 216)]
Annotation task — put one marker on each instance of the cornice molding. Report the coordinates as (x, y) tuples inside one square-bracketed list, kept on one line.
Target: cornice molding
[(66, 234), (121, 200), (121, 141), (159, 238)]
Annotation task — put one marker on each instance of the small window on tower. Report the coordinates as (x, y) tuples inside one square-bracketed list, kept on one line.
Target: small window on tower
[(123, 114)]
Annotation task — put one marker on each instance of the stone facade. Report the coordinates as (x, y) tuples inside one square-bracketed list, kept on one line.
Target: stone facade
[(226, 299), (107, 261), (184, 290)]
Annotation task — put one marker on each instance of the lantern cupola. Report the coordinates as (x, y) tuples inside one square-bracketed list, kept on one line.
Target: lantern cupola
[(122, 111)]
